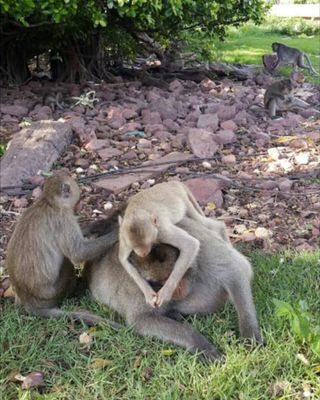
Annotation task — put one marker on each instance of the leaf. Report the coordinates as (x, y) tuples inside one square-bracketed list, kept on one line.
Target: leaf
[(283, 309), (283, 139), (167, 352), (211, 206), (137, 362), (34, 379), (85, 339), (300, 326), (100, 363)]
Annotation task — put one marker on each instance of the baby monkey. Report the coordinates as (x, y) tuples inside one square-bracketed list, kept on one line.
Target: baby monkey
[(45, 245), (277, 94), (151, 217)]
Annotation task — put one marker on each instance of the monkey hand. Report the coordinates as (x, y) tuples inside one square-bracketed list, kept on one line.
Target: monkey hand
[(151, 297), (164, 295)]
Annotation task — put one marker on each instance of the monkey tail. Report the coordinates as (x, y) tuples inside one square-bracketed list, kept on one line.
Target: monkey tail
[(310, 65), (193, 201), (84, 316)]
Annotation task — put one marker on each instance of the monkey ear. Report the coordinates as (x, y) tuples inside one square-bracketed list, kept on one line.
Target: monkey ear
[(155, 220), (65, 189), (120, 220)]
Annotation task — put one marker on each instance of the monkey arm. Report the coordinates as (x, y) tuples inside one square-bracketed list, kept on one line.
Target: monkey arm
[(189, 248), (79, 249), (143, 285)]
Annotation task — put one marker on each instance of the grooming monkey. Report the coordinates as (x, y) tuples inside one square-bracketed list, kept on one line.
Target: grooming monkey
[(290, 55), (277, 94), (219, 273), (46, 243), (151, 217)]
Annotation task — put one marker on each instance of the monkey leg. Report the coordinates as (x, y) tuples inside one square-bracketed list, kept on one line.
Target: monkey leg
[(239, 289), (272, 107), (161, 327), (188, 247)]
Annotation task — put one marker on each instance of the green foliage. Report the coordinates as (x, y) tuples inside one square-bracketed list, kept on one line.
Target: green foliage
[(2, 149), (301, 323), (293, 26), (160, 17)]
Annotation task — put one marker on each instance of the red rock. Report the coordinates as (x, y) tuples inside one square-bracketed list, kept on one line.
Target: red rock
[(225, 137), (193, 116), (284, 184), (120, 182), (206, 190), (241, 118), (115, 118), (229, 125), (144, 144), (151, 118), (162, 135), (32, 149), (152, 128), (179, 140), (97, 144), (153, 95), (176, 86), (298, 144), (128, 113), (202, 142), (208, 121), (166, 108), (129, 155), (81, 162), (226, 112), (171, 125), (15, 110), (229, 159), (20, 202), (108, 153), (207, 85), (130, 127)]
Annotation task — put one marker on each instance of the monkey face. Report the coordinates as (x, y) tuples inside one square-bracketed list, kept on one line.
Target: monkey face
[(62, 189)]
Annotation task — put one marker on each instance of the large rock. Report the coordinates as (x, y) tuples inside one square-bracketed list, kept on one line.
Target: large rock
[(166, 108), (206, 190), (202, 142), (31, 150), (15, 110), (225, 137), (208, 121), (118, 183)]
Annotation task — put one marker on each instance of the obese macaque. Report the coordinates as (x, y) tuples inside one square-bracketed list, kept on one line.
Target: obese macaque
[(277, 94), (218, 273), (290, 55), (46, 244), (151, 217)]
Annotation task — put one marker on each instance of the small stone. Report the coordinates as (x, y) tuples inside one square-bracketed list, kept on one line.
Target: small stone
[(302, 158), (261, 233), (229, 125), (206, 165), (274, 153), (202, 143), (20, 202), (107, 206), (225, 137), (229, 159), (208, 121)]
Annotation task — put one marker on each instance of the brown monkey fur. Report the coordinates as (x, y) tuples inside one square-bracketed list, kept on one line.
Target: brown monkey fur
[(46, 244)]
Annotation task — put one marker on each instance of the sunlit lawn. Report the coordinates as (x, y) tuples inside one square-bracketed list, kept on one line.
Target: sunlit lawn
[(247, 45), (138, 368)]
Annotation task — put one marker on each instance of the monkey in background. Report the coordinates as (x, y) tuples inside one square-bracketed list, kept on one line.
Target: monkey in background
[(218, 273), (276, 95), (53, 100), (151, 217), (290, 55), (46, 244)]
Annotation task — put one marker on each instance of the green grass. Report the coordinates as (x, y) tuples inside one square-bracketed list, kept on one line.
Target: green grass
[(52, 346), (248, 44)]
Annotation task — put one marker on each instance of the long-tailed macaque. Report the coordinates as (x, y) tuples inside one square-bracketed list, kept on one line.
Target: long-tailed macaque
[(277, 94), (53, 100), (290, 55), (218, 273), (151, 217), (46, 243)]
